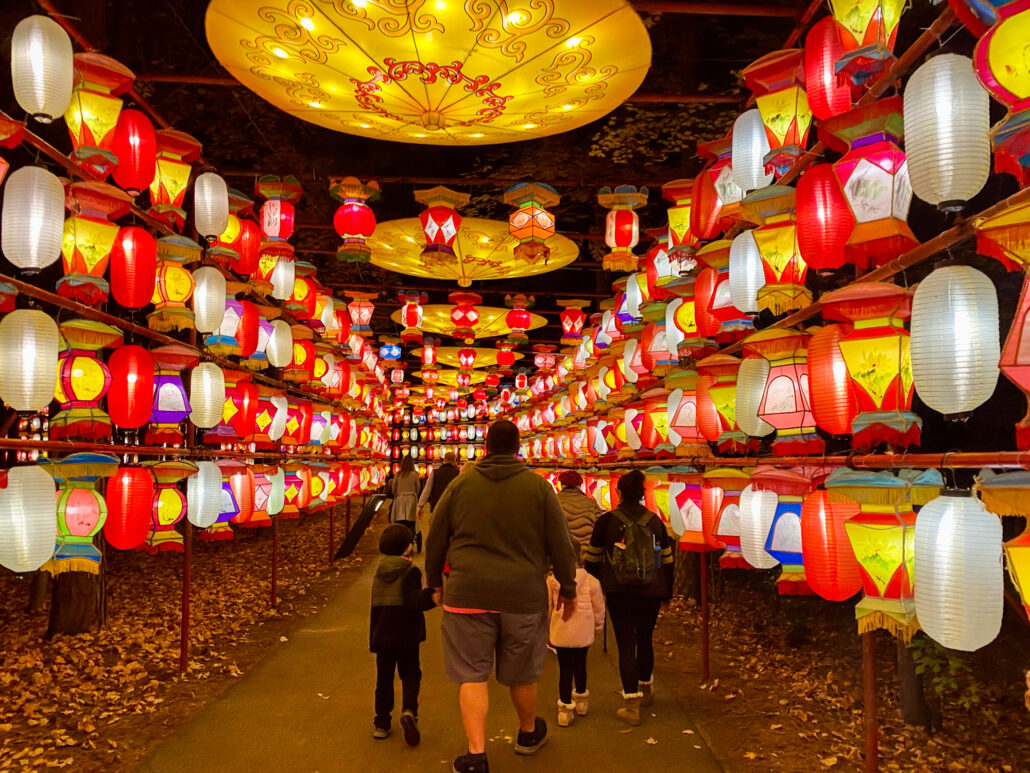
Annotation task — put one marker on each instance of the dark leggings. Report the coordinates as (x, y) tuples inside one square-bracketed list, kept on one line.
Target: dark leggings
[(572, 664), (405, 661), (633, 620)]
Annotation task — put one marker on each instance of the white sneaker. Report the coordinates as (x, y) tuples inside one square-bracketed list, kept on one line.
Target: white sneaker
[(566, 714), (582, 702)]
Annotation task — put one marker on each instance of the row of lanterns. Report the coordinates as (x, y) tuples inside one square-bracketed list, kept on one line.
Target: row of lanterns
[(139, 506), (836, 533)]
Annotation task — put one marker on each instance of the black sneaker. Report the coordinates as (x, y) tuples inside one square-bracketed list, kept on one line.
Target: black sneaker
[(471, 763), (530, 743), (409, 724)]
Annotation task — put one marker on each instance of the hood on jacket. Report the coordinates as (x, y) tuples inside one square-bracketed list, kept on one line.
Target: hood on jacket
[(392, 567), (499, 466)]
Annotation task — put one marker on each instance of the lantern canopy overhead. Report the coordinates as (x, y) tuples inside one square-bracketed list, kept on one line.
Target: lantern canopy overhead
[(483, 249), (491, 321), (448, 74)]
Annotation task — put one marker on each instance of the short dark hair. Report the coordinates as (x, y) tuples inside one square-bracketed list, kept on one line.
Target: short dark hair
[(502, 437), (631, 487)]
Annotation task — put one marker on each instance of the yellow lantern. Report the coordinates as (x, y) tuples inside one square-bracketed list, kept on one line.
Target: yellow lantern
[(89, 237), (174, 285), (94, 109)]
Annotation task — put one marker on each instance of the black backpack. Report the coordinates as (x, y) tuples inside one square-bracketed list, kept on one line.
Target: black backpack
[(636, 560)]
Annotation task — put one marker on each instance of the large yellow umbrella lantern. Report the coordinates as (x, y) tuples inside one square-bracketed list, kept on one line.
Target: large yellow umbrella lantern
[(441, 73)]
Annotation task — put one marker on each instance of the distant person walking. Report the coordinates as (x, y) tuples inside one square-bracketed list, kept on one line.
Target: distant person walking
[(500, 528), (397, 627), (433, 489), (405, 489), (571, 639), (581, 511), (630, 552)]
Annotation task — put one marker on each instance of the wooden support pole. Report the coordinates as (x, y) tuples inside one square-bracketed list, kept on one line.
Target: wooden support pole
[(274, 600), (187, 580), (872, 753), (332, 533), (705, 665)]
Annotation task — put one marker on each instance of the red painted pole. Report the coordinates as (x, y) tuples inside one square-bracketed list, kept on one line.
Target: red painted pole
[(187, 560), (872, 752), (275, 562), (705, 671), (332, 533)]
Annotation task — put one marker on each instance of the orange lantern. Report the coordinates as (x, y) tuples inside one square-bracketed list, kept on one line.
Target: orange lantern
[(717, 404), (833, 404), (89, 238), (716, 195), (94, 109), (778, 81), (175, 152), (531, 223), (830, 566), (720, 513), (772, 208)]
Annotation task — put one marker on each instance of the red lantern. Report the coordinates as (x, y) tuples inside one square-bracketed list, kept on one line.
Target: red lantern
[(828, 95), (720, 518), (572, 320), (715, 203), (622, 226), (354, 221), (831, 569), (463, 380), (505, 356), (492, 380), (133, 267), (412, 316), (248, 332), (824, 219), (130, 502), (518, 319), (361, 309), (833, 403), (248, 246), (467, 359), (440, 222), (135, 145), (464, 315), (131, 396), (277, 219)]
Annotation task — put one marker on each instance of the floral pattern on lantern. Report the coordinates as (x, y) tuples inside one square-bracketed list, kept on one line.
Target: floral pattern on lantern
[(778, 82), (867, 31), (716, 195), (772, 208)]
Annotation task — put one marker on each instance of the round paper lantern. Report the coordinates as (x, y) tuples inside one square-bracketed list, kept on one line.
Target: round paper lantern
[(248, 246), (751, 378), (284, 277), (757, 511), (750, 146), (208, 299), (824, 219), (207, 395), (959, 581), (947, 132), (210, 205), (135, 145), (28, 519), (280, 345), (204, 495), (133, 267), (833, 403), (747, 276), (955, 347), (33, 218), (831, 569), (131, 395), (42, 67), (828, 95), (130, 503), (28, 351)]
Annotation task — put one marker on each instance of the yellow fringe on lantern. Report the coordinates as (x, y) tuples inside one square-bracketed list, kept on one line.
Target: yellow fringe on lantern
[(876, 621), (224, 350), (254, 364), (869, 495), (1005, 501), (779, 299), (166, 322), (921, 495), (694, 450), (60, 566), (623, 262)]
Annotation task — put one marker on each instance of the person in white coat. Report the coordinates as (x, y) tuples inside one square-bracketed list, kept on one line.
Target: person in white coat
[(571, 639)]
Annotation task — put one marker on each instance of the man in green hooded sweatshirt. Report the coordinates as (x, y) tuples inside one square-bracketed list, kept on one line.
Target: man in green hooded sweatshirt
[(499, 528)]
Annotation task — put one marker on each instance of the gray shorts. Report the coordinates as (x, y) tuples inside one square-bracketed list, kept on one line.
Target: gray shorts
[(473, 643)]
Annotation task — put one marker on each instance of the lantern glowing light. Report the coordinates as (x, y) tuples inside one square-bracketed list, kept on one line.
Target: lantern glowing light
[(41, 68), (28, 349), (135, 146), (531, 223), (28, 519), (210, 205), (130, 500), (33, 218), (354, 220)]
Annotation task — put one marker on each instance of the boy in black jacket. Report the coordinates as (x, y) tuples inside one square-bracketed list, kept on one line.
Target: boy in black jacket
[(397, 629)]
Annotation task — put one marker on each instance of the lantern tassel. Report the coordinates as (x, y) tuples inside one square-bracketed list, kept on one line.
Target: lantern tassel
[(58, 566), (217, 532), (900, 630), (733, 559)]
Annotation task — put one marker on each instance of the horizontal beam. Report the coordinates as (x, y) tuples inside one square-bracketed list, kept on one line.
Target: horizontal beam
[(179, 452), (686, 99), (567, 234), (715, 9), (343, 287), (953, 460)]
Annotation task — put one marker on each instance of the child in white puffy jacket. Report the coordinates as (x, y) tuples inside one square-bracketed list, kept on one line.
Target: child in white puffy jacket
[(572, 639)]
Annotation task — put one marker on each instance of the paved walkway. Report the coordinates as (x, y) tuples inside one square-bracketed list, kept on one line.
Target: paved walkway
[(308, 707)]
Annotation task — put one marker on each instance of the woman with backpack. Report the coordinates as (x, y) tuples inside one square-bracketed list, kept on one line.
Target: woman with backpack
[(630, 552)]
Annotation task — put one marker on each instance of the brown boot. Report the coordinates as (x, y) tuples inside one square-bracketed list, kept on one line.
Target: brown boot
[(647, 690), (630, 712)]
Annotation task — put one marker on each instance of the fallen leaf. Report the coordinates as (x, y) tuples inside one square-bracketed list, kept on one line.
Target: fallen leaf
[(750, 756), (283, 638), (688, 732), (651, 741), (626, 731), (828, 762), (775, 727), (323, 697)]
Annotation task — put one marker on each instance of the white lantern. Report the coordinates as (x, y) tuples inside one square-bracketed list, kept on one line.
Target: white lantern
[(42, 67), (208, 299), (328, 318), (280, 345), (751, 378), (749, 147), (207, 395), (277, 494), (955, 346), (947, 142), (28, 359), (33, 218), (747, 276), (959, 583), (757, 511), (204, 495), (210, 205), (330, 370), (28, 519), (283, 278), (282, 410)]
